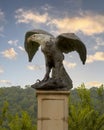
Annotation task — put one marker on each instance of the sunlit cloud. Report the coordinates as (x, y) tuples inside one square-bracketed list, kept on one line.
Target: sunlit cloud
[(98, 56), (69, 64), (93, 84), (21, 48), (33, 67), (29, 16), (9, 53), (86, 22), (5, 82), (13, 42)]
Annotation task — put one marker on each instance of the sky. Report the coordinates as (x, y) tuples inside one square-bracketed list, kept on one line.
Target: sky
[(85, 18)]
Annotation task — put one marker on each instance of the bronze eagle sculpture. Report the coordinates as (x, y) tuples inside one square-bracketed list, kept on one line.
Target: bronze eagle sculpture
[(53, 49)]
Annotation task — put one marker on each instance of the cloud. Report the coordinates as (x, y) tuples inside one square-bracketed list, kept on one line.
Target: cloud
[(13, 42), (98, 56), (1, 15), (29, 16), (1, 28), (93, 84), (33, 67), (2, 21), (1, 70), (47, 7), (86, 22), (9, 53), (69, 64), (5, 82), (100, 41), (21, 48)]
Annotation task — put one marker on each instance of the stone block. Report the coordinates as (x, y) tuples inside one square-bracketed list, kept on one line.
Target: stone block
[(52, 110)]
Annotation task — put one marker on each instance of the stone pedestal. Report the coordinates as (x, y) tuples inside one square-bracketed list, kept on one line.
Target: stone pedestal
[(52, 110)]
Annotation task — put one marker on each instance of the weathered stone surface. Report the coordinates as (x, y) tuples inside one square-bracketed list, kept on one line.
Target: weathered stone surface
[(52, 110)]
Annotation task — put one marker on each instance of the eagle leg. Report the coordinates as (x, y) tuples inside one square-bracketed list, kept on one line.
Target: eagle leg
[(48, 69)]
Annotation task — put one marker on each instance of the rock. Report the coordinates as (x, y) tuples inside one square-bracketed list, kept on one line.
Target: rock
[(50, 84)]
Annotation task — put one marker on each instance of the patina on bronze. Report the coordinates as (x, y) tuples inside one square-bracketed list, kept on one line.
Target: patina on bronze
[(53, 49)]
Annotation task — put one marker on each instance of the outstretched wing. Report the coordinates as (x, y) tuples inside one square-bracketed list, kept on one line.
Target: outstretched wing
[(68, 42), (32, 47)]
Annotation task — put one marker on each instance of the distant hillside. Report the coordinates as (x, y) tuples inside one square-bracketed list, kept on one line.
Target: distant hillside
[(18, 108), (25, 99), (96, 96), (19, 99)]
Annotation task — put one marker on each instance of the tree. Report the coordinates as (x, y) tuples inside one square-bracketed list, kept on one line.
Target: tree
[(82, 115), (18, 109), (3, 116), (22, 123)]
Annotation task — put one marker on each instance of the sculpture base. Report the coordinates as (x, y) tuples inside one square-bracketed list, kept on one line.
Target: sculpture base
[(52, 110), (51, 84)]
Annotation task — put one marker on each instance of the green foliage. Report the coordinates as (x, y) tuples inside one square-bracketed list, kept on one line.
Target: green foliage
[(18, 108), (4, 112), (23, 101), (21, 123), (15, 122), (19, 99), (82, 114)]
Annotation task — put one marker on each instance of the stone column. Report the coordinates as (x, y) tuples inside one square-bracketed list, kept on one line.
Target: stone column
[(52, 110)]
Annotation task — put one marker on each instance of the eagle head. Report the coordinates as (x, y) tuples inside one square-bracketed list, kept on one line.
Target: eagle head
[(41, 39), (34, 41)]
